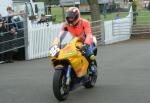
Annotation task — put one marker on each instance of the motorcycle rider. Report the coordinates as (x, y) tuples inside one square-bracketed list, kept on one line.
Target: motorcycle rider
[(78, 27)]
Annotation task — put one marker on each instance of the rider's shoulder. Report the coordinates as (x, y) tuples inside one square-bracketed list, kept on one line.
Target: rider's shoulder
[(84, 20)]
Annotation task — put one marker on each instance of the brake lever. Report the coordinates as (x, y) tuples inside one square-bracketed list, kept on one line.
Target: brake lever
[(78, 47)]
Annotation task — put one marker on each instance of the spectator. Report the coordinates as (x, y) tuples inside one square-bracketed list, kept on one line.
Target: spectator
[(13, 19), (2, 31), (33, 19), (2, 26), (104, 12), (21, 16), (20, 19), (1, 17), (12, 35), (117, 16), (10, 11), (9, 17), (130, 4), (13, 26), (42, 19)]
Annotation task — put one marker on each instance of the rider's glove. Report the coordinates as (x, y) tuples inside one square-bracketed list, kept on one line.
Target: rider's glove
[(88, 52), (85, 47)]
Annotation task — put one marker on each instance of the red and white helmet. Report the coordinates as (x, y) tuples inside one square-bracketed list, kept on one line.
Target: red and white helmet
[(72, 15)]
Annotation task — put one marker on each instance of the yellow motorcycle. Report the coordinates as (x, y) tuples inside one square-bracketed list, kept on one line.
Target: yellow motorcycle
[(72, 68)]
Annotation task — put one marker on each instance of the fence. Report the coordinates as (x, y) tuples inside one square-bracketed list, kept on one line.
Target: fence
[(11, 35), (142, 23), (118, 30), (97, 30), (40, 38)]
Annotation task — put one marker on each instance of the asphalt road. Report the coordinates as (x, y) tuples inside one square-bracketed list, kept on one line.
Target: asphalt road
[(124, 77)]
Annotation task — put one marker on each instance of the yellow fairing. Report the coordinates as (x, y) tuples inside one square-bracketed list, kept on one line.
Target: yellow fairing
[(80, 65), (78, 62)]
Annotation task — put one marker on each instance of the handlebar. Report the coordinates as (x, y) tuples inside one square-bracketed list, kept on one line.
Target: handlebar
[(81, 49)]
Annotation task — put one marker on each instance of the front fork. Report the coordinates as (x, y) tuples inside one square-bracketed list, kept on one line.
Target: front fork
[(92, 68), (68, 75)]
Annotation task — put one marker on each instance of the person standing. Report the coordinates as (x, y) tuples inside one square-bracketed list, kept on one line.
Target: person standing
[(42, 19), (11, 35), (117, 16), (2, 33)]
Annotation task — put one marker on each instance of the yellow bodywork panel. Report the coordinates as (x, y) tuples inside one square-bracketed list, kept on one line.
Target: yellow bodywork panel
[(80, 65), (78, 62)]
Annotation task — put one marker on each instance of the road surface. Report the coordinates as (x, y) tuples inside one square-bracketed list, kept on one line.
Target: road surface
[(124, 77)]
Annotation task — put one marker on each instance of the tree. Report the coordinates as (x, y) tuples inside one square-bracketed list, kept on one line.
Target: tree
[(94, 7), (95, 16), (149, 6), (135, 13)]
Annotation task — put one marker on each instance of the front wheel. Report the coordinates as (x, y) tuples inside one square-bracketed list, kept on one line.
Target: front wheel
[(92, 75), (60, 89)]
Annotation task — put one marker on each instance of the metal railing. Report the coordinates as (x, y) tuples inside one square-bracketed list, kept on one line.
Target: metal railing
[(142, 23), (97, 30), (11, 40)]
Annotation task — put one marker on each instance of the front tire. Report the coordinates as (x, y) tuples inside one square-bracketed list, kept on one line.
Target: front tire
[(60, 89)]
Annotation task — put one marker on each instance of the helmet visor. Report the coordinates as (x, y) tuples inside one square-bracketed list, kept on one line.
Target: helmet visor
[(70, 16)]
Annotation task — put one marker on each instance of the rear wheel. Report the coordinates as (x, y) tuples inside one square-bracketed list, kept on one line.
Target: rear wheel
[(60, 89), (92, 76)]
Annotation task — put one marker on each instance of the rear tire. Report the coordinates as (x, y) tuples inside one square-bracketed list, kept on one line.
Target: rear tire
[(60, 89)]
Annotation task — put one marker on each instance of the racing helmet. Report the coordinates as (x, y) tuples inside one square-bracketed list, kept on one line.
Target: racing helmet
[(72, 15)]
